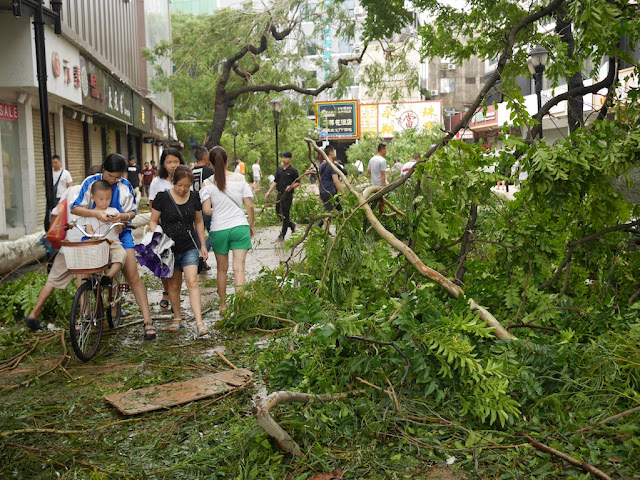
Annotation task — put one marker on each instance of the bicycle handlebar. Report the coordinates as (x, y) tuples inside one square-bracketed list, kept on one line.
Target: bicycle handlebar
[(96, 236)]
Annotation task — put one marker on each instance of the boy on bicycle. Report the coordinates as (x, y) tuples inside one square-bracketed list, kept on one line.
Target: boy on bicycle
[(101, 192)]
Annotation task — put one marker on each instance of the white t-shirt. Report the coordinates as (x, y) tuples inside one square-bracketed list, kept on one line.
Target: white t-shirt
[(255, 168), (407, 166), (102, 227), (226, 206), (65, 178), (377, 165), (358, 164), (158, 185)]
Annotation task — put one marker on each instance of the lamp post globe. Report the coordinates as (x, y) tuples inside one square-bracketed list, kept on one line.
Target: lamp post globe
[(537, 62)]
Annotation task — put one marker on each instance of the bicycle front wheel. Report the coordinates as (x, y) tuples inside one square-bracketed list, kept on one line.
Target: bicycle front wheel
[(85, 326), (116, 298)]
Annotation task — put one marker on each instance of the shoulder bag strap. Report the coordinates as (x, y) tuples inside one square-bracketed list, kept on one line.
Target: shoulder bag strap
[(182, 217), (229, 197), (55, 187)]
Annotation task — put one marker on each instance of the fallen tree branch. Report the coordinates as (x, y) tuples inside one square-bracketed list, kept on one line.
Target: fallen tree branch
[(390, 344), (567, 458), (528, 325), (454, 290), (262, 413), (626, 413), (572, 245)]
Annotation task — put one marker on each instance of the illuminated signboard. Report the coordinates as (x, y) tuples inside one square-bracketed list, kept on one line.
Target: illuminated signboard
[(339, 119)]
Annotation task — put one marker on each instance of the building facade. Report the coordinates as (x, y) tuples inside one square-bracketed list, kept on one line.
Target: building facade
[(100, 98)]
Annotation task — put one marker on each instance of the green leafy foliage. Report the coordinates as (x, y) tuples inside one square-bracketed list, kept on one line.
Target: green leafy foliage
[(18, 298)]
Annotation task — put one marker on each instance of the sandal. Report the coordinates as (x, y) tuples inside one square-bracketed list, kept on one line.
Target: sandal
[(164, 303), (149, 331), (202, 331), (175, 325)]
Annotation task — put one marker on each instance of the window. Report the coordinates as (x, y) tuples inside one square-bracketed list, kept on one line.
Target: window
[(447, 85), (470, 80)]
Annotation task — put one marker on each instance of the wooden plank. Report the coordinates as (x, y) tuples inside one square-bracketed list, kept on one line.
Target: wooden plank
[(176, 393)]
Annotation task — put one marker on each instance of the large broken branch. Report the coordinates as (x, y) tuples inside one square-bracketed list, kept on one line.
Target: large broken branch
[(262, 413), (567, 458), (451, 288)]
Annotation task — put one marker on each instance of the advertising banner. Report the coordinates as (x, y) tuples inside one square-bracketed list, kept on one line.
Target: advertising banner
[(394, 118), (369, 119), (91, 81), (141, 114), (339, 119)]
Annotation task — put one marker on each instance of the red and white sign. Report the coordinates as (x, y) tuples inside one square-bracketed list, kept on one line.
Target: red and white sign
[(8, 112), (55, 64)]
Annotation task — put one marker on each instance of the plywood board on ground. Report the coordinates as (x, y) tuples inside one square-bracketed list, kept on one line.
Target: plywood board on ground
[(176, 393)]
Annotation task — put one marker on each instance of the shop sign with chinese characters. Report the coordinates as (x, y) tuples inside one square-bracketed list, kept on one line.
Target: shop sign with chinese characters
[(398, 117), (118, 100), (339, 119), (92, 84)]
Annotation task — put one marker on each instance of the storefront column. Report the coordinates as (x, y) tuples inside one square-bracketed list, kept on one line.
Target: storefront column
[(27, 154)]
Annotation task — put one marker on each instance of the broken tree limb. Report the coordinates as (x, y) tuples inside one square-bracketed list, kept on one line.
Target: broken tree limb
[(262, 413), (626, 413), (454, 290), (567, 458), (390, 344)]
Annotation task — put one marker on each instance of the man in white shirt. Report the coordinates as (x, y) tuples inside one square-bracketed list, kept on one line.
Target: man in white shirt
[(377, 168), (257, 175), (407, 166)]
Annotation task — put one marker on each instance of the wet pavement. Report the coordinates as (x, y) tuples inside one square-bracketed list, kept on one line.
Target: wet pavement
[(267, 253)]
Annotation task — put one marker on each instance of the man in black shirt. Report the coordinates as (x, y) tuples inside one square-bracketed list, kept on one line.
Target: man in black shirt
[(134, 175), (286, 181), (202, 169)]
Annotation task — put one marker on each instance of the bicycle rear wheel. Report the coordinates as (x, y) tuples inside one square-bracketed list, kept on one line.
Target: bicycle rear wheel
[(116, 297), (85, 325)]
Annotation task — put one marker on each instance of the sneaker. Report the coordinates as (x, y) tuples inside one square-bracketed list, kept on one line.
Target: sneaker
[(293, 227), (280, 238)]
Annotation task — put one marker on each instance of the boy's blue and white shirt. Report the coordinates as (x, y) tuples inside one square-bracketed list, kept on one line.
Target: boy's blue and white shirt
[(123, 199)]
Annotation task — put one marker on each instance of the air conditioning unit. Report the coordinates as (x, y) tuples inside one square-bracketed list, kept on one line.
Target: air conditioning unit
[(358, 11), (434, 93), (451, 66)]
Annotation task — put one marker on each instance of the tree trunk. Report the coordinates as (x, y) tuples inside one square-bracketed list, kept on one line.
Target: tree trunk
[(575, 116)]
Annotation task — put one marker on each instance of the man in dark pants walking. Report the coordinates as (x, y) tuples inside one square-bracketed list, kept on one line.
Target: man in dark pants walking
[(286, 182)]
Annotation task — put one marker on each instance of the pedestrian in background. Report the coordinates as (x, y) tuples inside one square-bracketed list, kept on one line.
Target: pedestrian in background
[(378, 170), (147, 177), (286, 181), (134, 175), (257, 175), (61, 178)]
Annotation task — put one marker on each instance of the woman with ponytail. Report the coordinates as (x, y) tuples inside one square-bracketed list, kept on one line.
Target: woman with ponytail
[(222, 198)]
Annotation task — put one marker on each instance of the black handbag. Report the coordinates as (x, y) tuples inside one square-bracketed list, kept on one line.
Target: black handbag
[(202, 265)]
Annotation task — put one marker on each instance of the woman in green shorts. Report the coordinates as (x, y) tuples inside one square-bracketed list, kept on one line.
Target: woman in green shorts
[(222, 197)]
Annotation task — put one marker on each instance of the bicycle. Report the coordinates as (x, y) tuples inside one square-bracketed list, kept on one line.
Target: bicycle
[(92, 300)]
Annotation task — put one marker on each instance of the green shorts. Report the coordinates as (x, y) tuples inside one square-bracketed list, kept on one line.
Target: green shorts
[(236, 238)]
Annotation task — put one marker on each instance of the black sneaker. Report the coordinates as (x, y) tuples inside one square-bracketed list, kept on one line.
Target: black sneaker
[(280, 238), (293, 227)]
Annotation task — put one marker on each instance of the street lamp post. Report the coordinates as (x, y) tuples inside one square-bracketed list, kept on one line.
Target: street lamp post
[(537, 62), (234, 125), (276, 106)]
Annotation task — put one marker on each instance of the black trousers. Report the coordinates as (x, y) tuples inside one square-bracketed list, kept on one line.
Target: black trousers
[(283, 209)]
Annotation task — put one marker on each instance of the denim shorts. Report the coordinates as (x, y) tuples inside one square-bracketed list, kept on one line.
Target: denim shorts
[(190, 257)]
